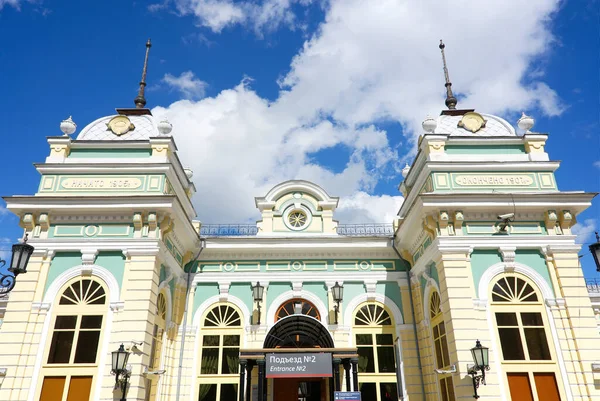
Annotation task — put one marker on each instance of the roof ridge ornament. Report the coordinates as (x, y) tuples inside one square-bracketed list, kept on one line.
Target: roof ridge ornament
[(140, 100), (451, 101)]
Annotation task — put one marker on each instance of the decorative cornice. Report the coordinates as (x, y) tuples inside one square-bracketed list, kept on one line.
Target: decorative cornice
[(88, 256), (117, 306), (508, 257), (40, 307), (557, 303)]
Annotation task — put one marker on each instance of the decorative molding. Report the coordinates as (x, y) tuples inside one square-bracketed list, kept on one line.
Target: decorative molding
[(557, 303), (117, 306), (297, 288), (508, 257), (86, 270), (350, 308), (480, 304), (370, 287), (98, 271), (224, 290), (499, 268), (309, 296), (40, 307), (206, 306)]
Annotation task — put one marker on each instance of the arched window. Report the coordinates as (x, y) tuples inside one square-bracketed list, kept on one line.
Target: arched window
[(158, 334), (440, 344), (297, 306), (526, 352), (374, 332), (220, 339), (71, 356)]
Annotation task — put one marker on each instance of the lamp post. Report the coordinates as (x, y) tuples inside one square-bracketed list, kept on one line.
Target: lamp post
[(481, 359), (119, 368), (257, 294), (338, 295), (595, 250), (21, 252)]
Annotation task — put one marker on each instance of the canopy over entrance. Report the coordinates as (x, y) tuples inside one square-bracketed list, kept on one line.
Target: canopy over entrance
[(298, 331)]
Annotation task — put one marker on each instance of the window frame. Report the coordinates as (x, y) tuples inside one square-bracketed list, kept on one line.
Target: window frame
[(529, 366), (71, 369), (156, 351), (221, 331), (436, 319), (376, 377)]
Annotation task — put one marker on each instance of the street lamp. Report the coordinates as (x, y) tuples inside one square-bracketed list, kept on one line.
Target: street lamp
[(595, 250), (338, 295), (482, 363), (119, 368), (21, 252), (257, 294)]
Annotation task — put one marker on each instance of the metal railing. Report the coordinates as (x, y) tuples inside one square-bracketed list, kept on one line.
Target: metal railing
[(366, 230), (228, 230), (592, 284), (349, 230)]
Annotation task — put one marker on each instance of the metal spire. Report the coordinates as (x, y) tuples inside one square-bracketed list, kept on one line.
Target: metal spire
[(140, 100), (450, 99)]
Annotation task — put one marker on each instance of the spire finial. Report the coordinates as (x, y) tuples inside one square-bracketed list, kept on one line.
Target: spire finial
[(140, 100), (450, 99)]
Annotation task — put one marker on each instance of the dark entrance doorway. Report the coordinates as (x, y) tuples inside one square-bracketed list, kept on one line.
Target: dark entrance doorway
[(298, 338)]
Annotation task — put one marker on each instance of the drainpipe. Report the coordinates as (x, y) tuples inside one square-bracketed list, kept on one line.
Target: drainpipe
[(185, 314), (412, 309)]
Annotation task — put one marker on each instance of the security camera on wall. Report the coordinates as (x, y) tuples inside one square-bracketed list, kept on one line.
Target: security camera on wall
[(506, 219), (507, 216)]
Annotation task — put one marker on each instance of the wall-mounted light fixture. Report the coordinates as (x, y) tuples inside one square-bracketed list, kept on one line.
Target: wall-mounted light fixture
[(257, 293), (120, 369), (21, 253), (337, 292), (482, 363)]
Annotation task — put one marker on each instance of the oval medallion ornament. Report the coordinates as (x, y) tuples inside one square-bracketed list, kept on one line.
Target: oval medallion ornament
[(120, 125), (472, 121)]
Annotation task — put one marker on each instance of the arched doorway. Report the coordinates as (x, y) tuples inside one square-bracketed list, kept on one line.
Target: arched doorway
[(300, 331)]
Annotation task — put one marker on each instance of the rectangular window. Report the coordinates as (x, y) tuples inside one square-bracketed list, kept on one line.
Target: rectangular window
[(53, 388), (79, 388), (385, 353), (64, 336), (546, 386), (368, 392), (441, 346), (388, 391), (366, 358), (519, 386), (510, 338), (220, 355), (535, 336)]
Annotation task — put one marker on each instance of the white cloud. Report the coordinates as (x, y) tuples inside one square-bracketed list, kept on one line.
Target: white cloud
[(187, 84), (216, 15), (14, 3), (367, 62), (597, 164), (585, 231)]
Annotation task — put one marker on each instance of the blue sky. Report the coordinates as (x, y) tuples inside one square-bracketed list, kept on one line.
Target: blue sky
[(327, 90)]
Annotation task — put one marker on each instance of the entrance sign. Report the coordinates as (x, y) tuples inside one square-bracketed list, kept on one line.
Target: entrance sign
[(346, 396), (298, 365)]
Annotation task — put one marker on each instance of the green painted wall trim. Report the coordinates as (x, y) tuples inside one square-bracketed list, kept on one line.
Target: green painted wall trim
[(481, 259), (243, 291), (537, 261), (275, 290), (300, 266), (203, 292), (113, 261), (391, 290), (61, 262), (109, 153), (485, 149), (319, 289), (352, 290)]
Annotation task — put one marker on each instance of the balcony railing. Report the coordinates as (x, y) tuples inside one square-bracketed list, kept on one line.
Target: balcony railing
[(349, 230), (366, 230), (228, 230), (592, 284)]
